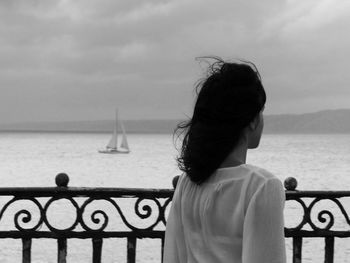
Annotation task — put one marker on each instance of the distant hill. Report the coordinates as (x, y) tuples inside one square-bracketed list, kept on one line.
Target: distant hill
[(131, 126), (328, 121)]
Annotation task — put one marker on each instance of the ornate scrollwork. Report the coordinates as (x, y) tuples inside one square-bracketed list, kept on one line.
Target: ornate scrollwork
[(148, 208), (96, 215), (148, 211), (322, 219), (93, 219), (142, 211), (45, 214), (326, 217), (309, 201), (24, 216)]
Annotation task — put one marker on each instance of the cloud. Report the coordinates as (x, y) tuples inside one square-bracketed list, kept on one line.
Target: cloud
[(91, 54), (317, 14)]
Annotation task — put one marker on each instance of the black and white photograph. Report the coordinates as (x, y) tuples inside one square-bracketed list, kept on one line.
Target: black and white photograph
[(174, 131)]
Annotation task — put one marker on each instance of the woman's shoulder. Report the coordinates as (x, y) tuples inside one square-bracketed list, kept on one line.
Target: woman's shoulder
[(253, 175), (263, 182), (260, 172), (260, 176)]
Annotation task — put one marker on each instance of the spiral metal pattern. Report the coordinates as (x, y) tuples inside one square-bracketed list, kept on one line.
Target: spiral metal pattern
[(144, 208), (324, 216), (149, 211)]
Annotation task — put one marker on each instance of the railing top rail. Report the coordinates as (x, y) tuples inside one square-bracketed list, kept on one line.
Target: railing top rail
[(84, 191), (62, 190), (143, 192), (319, 194)]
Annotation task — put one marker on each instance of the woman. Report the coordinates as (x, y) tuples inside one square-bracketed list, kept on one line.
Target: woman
[(223, 209)]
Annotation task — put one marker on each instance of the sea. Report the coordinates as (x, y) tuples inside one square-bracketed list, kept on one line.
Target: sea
[(317, 161)]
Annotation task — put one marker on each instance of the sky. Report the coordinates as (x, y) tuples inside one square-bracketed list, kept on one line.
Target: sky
[(78, 60)]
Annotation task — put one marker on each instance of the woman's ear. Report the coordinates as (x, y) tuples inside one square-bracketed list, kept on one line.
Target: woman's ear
[(255, 129), (254, 123)]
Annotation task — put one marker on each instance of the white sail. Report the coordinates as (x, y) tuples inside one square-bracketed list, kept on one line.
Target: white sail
[(114, 140), (112, 146), (124, 143)]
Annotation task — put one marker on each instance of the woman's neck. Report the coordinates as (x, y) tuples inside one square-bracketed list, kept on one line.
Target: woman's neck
[(237, 156)]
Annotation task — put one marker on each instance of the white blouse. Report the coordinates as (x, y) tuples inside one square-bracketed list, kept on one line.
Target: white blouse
[(235, 216)]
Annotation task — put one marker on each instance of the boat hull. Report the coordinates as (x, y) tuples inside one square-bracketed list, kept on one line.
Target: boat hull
[(112, 151)]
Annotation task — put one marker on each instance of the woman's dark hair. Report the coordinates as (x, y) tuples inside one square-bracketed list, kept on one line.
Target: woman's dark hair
[(228, 99)]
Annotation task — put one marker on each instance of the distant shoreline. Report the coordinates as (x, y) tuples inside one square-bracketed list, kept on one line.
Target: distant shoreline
[(77, 132), (323, 122), (165, 133)]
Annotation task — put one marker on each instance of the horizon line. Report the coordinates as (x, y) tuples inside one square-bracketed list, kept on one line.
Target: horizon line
[(158, 119)]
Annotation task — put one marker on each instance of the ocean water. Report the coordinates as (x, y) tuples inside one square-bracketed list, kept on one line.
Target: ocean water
[(318, 162)]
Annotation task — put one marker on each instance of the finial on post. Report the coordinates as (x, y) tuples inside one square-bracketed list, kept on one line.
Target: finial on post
[(62, 180), (175, 180), (290, 183)]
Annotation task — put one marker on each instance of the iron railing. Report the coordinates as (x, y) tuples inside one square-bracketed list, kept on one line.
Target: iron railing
[(149, 208), (309, 226)]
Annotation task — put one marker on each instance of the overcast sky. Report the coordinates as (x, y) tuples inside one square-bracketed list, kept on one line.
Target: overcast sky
[(79, 60)]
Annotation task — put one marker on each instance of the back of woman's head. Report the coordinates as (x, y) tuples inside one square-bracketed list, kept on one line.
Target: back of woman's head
[(228, 99)]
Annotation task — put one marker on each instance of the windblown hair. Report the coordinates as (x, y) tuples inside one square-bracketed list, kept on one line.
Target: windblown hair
[(228, 99)]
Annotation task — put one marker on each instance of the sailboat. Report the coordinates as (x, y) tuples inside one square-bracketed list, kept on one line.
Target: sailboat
[(112, 146)]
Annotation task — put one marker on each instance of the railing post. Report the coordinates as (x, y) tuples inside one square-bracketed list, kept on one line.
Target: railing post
[(131, 250), (162, 249), (297, 249), (26, 252), (62, 250), (96, 250), (62, 180), (329, 249)]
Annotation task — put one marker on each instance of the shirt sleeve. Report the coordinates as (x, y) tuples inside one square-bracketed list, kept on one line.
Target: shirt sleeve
[(263, 231), (174, 231)]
